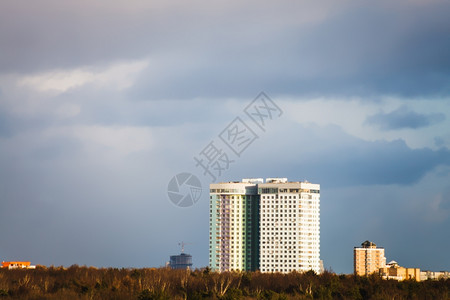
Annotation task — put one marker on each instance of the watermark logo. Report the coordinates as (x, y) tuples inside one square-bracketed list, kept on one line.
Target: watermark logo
[(216, 158), (184, 189)]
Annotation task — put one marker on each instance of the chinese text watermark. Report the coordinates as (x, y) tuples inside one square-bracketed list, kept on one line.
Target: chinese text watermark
[(221, 152)]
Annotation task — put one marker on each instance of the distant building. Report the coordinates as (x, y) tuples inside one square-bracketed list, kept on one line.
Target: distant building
[(393, 271), (17, 265), (182, 261), (368, 259), (431, 275), (321, 267)]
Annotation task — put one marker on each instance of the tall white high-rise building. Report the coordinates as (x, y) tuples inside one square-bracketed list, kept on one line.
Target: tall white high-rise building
[(289, 226), (272, 226)]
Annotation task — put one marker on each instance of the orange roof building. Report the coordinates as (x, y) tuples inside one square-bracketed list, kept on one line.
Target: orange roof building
[(17, 265)]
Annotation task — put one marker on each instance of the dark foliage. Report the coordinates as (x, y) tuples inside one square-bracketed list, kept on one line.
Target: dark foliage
[(160, 284)]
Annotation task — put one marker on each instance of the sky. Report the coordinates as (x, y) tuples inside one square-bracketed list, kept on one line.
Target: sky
[(102, 103)]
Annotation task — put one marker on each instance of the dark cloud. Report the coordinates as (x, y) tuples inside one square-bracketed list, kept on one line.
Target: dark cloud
[(5, 125), (383, 48), (364, 50), (439, 141), (402, 118), (380, 163), (374, 48), (334, 158), (444, 204)]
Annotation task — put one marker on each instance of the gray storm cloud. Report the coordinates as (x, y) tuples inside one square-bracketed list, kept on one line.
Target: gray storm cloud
[(404, 118)]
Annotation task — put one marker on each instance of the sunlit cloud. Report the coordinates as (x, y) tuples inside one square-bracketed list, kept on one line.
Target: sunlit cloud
[(119, 76)]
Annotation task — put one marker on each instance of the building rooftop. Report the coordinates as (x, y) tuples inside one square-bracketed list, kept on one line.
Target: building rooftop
[(368, 245), (392, 263), (261, 180)]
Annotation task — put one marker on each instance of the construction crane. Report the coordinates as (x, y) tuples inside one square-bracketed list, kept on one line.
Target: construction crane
[(182, 244)]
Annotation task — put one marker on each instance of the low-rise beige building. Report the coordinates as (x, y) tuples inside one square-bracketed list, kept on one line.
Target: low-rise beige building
[(394, 271), (368, 259)]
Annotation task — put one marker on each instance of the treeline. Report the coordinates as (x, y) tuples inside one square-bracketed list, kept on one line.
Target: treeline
[(141, 284)]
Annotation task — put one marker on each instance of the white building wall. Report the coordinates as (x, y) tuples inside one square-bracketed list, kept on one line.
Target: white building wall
[(290, 227)]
